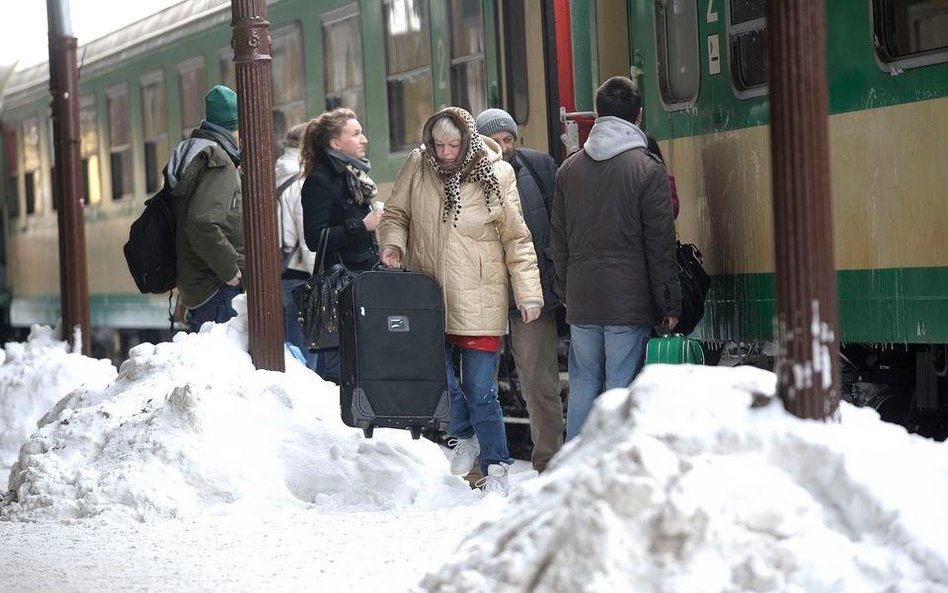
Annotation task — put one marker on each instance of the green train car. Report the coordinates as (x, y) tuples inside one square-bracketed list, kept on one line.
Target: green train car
[(703, 70), (141, 90)]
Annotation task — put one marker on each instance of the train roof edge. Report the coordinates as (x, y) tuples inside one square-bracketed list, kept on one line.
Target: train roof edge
[(176, 21)]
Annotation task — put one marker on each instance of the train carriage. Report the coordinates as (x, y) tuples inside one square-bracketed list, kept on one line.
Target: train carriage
[(703, 68), (141, 90)]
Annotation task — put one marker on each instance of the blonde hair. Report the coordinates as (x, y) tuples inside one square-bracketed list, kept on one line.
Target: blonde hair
[(319, 132), (445, 130)]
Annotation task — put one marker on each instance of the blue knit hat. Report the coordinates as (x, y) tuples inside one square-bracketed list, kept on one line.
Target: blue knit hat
[(220, 107), (491, 121)]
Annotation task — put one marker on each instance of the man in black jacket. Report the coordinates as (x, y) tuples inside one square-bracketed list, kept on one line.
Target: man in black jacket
[(534, 345), (613, 245)]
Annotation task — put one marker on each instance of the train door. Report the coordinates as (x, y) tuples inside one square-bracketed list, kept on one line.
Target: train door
[(592, 46)]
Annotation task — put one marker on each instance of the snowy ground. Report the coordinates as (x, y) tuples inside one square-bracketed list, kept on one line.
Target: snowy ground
[(188, 470)]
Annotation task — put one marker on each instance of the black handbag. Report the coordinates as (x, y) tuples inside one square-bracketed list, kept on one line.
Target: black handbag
[(317, 301), (695, 285)]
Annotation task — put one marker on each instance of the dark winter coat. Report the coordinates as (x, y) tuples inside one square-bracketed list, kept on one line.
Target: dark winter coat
[(613, 236), (204, 181), (328, 202), (536, 199)]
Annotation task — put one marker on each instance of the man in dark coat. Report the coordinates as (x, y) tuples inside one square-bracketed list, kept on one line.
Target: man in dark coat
[(203, 178), (534, 345), (613, 244)]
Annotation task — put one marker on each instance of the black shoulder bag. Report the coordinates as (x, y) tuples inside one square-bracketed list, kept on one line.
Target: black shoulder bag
[(695, 284), (317, 301)]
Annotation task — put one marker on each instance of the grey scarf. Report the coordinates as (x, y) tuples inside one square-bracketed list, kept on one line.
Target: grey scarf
[(357, 175)]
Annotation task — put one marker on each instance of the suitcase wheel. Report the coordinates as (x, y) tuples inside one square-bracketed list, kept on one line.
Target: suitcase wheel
[(367, 431), (415, 432)]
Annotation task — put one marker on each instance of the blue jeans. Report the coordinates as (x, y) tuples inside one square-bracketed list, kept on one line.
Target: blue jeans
[(291, 324), (475, 409), (216, 309), (327, 365), (601, 357)]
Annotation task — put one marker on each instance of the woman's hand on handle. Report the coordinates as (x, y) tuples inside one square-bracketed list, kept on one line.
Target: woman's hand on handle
[(391, 257)]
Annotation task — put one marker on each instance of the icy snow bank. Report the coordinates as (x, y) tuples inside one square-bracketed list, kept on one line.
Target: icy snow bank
[(696, 480), (190, 426), (34, 375)]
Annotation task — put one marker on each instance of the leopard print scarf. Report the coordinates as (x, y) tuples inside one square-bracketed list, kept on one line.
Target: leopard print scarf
[(475, 167)]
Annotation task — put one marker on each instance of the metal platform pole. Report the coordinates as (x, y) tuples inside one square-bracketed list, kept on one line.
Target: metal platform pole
[(67, 181), (251, 42), (808, 377)]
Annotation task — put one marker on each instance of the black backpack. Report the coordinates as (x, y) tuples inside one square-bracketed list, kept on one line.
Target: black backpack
[(695, 284), (151, 252)]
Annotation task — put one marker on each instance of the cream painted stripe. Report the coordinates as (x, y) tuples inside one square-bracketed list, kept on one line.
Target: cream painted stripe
[(889, 169)]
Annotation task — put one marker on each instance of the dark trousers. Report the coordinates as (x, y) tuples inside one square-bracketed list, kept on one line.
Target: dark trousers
[(216, 309)]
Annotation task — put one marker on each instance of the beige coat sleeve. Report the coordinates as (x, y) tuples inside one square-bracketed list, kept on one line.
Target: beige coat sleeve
[(393, 228)]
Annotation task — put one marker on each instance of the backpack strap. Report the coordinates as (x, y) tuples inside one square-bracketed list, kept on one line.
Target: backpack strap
[(279, 192)]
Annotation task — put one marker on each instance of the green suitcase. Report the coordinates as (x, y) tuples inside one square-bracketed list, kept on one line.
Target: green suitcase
[(673, 349)]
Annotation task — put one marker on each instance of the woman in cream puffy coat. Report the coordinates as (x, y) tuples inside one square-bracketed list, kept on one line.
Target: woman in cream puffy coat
[(455, 215)]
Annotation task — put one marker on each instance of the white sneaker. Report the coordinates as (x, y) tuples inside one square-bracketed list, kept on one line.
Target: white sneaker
[(495, 480), (465, 452)]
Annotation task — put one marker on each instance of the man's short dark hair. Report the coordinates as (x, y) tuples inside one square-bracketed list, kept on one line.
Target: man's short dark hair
[(619, 96)]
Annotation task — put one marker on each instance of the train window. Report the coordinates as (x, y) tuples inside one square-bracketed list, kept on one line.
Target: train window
[(228, 70), (33, 190), (408, 70), (747, 30), (676, 30), (911, 30), (342, 39), (120, 141), (468, 68), (286, 80), (192, 84), (89, 151), (12, 161), (515, 60), (154, 129)]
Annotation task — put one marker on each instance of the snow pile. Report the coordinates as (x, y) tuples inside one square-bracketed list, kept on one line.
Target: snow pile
[(190, 426), (34, 375), (696, 480)]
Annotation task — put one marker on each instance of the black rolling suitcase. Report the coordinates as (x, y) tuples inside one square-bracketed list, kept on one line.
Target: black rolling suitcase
[(391, 353)]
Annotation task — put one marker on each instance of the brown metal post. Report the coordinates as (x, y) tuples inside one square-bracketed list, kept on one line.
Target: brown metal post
[(251, 43), (67, 183), (808, 379)]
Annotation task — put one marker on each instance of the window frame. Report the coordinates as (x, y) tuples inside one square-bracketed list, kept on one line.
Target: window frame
[(733, 33), (409, 75), (32, 175), (90, 159), (891, 63), (517, 96), (462, 61), (184, 68), (111, 94), (663, 68), (155, 78), (278, 36), (334, 17)]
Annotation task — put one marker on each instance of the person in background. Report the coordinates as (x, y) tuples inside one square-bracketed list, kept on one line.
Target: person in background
[(454, 214), (299, 260), (613, 243), (535, 345), (337, 197), (202, 175), (654, 149)]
